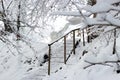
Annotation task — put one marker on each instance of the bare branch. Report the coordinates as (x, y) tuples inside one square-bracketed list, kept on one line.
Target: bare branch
[(100, 63)]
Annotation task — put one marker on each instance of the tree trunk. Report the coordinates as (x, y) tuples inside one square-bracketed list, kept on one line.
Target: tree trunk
[(18, 22), (6, 22), (18, 17)]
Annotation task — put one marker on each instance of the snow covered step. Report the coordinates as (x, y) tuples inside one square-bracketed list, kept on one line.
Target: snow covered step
[(55, 66), (69, 42), (61, 53), (68, 45), (68, 50), (58, 57), (57, 62)]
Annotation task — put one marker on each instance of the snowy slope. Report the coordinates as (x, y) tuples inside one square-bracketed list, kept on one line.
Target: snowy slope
[(99, 51), (18, 58)]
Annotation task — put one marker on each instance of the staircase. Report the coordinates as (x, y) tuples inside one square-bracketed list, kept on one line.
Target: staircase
[(65, 48), (57, 59), (57, 55)]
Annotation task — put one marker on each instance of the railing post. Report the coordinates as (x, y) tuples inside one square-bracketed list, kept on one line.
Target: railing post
[(64, 49), (49, 53), (83, 37), (73, 41)]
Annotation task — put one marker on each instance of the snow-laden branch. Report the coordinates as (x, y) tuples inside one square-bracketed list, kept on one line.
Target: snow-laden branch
[(112, 20), (103, 10), (103, 6), (67, 13)]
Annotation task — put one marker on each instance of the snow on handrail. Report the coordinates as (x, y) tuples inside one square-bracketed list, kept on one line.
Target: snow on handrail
[(62, 37)]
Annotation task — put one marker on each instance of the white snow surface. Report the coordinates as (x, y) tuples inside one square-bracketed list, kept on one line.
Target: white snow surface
[(14, 56), (100, 50)]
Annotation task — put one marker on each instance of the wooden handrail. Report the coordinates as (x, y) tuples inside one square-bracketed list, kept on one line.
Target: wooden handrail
[(63, 37)]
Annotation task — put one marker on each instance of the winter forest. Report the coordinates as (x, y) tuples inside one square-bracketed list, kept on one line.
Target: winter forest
[(59, 39)]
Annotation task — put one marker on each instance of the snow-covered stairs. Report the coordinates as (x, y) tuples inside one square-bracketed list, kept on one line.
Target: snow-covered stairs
[(57, 54), (57, 57), (57, 60)]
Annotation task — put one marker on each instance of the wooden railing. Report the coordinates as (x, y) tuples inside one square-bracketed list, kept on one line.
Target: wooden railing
[(65, 57)]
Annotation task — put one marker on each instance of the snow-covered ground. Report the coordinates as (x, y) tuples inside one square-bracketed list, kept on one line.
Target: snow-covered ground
[(20, 60), (19, 65), (23, 59)]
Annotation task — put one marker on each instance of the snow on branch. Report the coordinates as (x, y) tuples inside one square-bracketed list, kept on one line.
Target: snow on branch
[(67, 13), (95, 21), (105, 11), (103, 6), (112, 20)]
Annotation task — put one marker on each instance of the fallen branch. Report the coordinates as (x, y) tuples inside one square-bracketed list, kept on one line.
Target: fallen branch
[(100, 63)]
